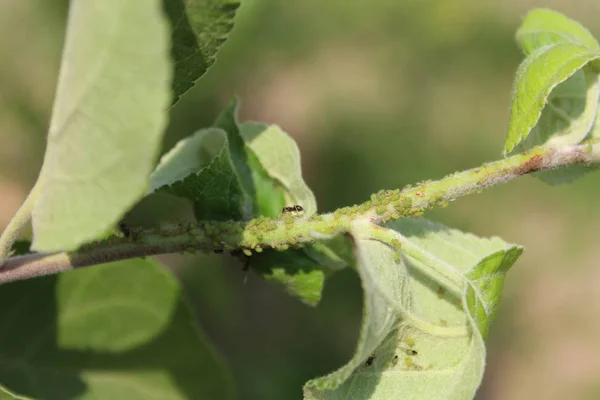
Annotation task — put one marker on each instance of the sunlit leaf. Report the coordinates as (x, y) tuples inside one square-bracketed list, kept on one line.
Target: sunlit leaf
[(537, 76), (107, 123), (544, 27), (420, 343)]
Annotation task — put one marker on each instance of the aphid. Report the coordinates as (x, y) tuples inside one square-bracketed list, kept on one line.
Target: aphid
[(409, 352), (294, 208), (440, 292), (370, 360)]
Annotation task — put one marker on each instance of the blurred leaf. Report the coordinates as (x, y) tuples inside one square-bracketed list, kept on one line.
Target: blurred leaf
[(7, 395), (107, 123), (544, 27), (537, 76), (198, 29), (278, 154), (116, 331), (417, 340)]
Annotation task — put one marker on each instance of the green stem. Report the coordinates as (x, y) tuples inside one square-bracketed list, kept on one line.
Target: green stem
[(288, 231), (16, 224)]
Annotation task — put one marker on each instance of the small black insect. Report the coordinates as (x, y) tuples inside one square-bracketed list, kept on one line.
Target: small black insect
[(293, 208), (411, 352), (124, 229), (246, 266), (395, 359), (370, 360)]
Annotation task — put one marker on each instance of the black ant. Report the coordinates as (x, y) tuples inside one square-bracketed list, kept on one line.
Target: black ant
[(370, 360), (124, 229), (293, 208)]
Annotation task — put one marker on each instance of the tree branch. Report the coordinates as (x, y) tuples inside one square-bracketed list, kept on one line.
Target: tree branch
[(293, 231)]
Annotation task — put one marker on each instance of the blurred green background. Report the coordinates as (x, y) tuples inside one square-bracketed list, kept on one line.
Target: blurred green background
[(378, 94)]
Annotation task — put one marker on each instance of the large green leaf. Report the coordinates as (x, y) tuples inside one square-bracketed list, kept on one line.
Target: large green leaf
[(537, 76), (116, 331), (108, 119), (544, 27), (198, 28), (419, 340)]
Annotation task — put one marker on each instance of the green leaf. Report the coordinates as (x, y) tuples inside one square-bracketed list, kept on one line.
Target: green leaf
[(107, 123), (301, 275), (188, 156), (116, 331), (8, 395), (278, 154), (537, 76), (198, 29), (267, 194), (569, 114), (544, 27), (569, 117), (417, 341), (383, 278), (199, 169)]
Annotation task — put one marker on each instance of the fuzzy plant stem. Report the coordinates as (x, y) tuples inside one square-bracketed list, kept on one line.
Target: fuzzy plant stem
[(290, 231)]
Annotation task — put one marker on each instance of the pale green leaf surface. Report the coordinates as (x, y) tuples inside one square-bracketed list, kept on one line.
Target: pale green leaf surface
[(450, 350), (381, 277), (279, 155), (107, 123), (116, 331), (198, 29), (536, 77), (543, 27), (188, 156)]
